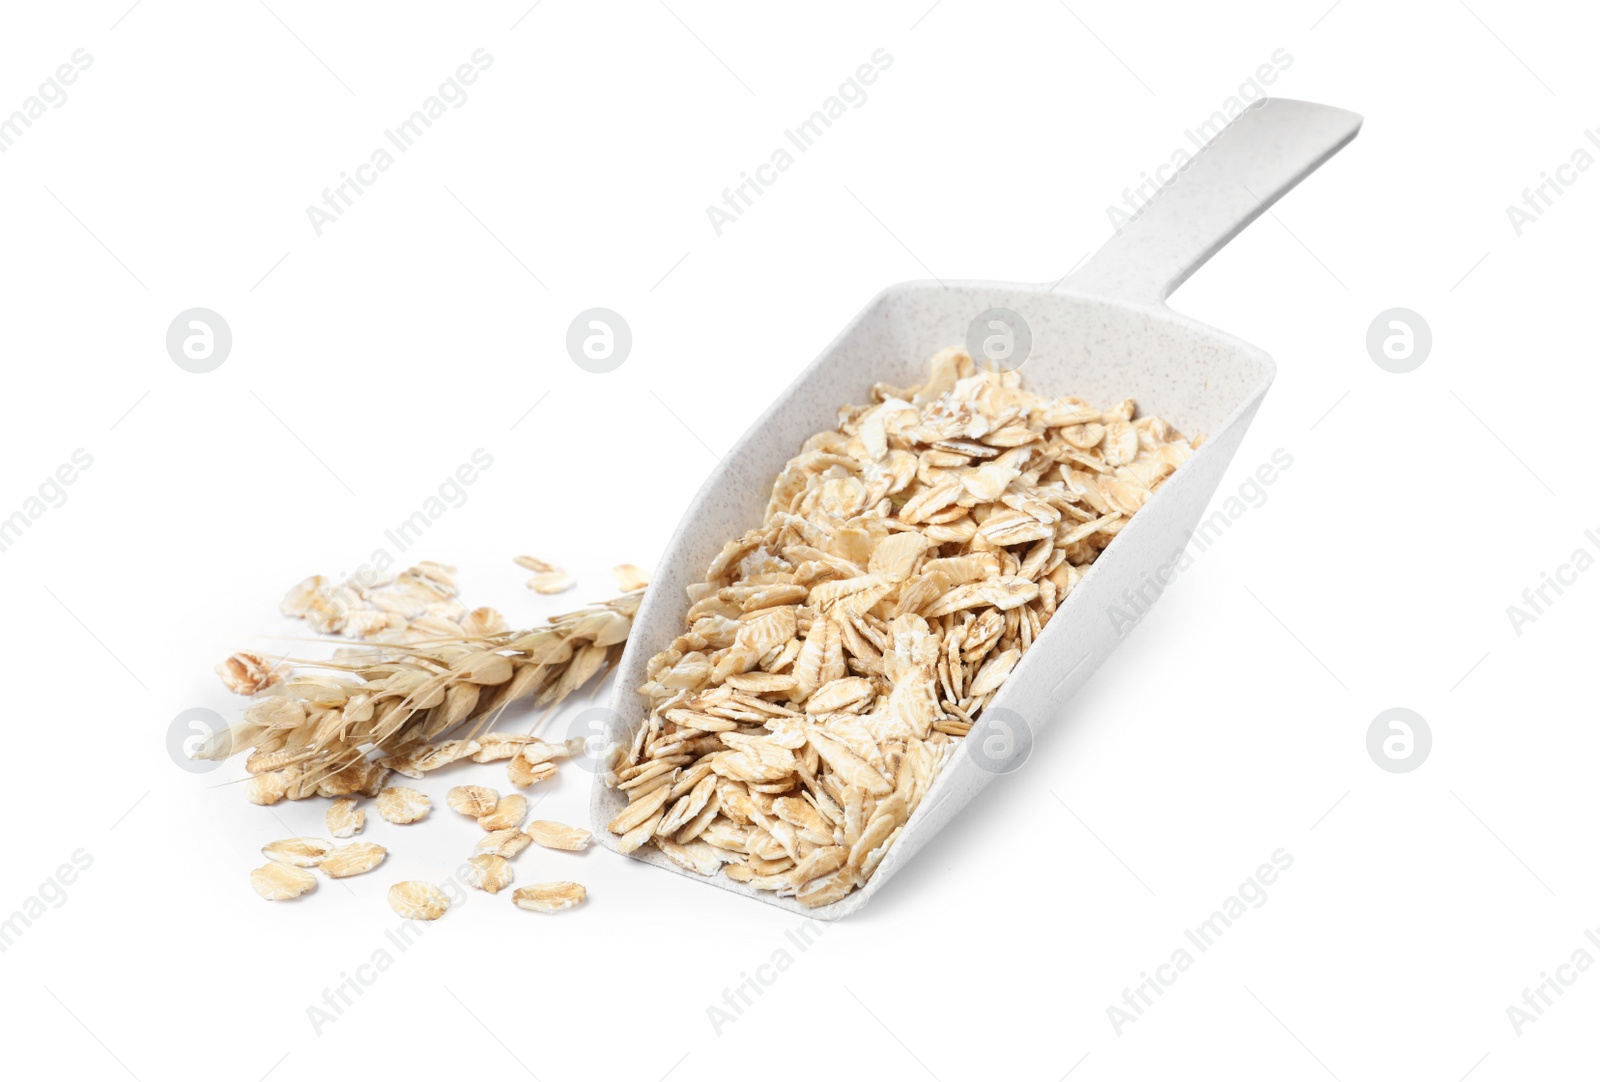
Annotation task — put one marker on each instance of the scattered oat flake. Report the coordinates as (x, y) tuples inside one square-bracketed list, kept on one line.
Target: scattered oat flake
[(472, 800), (549, 897), (489, 872), (301, 852), (279, 882), (345, 820), (553, 835), (551, 582), (418, 901), (502, 843), (353, 859), (399, 804), (508, 814), (630, 577)]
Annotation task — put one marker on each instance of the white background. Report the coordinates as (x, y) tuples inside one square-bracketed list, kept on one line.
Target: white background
[(428, 321)]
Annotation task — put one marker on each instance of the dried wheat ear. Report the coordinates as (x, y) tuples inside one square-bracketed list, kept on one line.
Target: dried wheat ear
[(387, 707), (835, 654), (398, 707)]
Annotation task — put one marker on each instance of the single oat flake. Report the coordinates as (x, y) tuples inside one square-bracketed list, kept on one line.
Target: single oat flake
[(472, 800), (279, 882), (301, 852), (353, 859), (549, 897), (418, 901), (399, 804), (630, 577), (489, 872), (547, 577), (345, 820), (553, 835), (502, 843)]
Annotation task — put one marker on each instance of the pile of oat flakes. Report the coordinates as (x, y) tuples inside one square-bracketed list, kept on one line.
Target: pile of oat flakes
[(835, 654)]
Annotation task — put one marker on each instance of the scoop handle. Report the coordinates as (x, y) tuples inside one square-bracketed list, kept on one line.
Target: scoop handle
[(1268, 149)]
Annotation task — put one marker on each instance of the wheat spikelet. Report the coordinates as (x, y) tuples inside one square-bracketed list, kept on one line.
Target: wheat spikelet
[(313, 737)]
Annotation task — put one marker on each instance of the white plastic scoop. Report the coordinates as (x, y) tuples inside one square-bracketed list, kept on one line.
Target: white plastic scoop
[(1104, 334)]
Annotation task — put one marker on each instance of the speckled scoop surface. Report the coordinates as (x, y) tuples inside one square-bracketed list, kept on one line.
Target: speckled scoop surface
[(1104, 334)]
